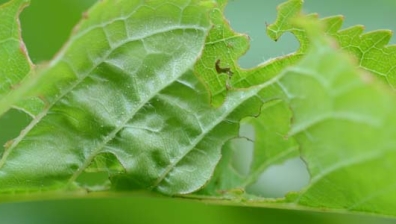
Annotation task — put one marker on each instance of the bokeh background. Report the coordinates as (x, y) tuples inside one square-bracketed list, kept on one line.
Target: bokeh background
[(46, 25)]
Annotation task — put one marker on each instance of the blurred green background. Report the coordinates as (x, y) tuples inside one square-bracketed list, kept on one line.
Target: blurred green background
[(46, 25)]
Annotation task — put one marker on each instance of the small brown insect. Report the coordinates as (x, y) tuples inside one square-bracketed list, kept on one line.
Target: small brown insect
[(220, 70)]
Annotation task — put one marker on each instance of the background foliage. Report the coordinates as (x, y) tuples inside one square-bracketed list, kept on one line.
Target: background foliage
[(46, 25)]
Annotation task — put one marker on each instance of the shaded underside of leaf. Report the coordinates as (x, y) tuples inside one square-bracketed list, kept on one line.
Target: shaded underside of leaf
[(104, 98)]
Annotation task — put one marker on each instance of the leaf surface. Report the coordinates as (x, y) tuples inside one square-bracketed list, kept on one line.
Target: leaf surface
[(119, 97), (15, 64)]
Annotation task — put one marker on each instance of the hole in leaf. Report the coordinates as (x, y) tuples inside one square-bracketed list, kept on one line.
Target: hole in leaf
[(96, 176), (11, 124), (220, 70), (94, 181), (243, 150), (278, 180), (47, 24)]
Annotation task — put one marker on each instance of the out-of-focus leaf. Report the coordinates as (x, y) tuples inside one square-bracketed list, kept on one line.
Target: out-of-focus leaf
[(343, 121)]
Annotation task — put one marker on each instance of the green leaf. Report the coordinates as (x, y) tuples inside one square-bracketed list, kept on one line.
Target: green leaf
[(219, 70), (218, 66), (14, 61), (370, 49), (15, 64), (152, 129), (286, 13), (150, 81), (120, 97), (343, 121)]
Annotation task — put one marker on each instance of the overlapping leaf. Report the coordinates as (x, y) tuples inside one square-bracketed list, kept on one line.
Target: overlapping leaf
[(370, 50), (343, 121), (342, 118)]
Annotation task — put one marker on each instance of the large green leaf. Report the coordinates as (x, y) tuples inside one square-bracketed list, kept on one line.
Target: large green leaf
[(129, 106), (133, 128), (129, 83)]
